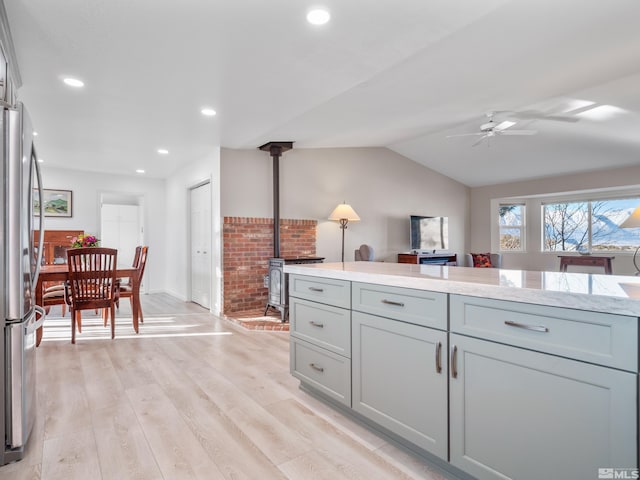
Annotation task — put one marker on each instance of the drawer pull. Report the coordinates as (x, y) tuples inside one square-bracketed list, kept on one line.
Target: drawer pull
[(316, 367), (454, 362), (316, 324), (438, 357), (316, 289), (391, 302), (535, 328)]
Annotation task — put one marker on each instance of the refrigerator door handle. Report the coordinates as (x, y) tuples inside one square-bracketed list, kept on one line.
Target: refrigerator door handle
[(34, 279), (37, 324), (20, 382)]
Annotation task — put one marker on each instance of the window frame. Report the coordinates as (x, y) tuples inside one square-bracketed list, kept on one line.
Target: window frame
[(521, 227), (589, 200)]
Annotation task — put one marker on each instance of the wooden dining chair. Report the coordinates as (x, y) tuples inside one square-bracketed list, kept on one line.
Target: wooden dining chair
[(54, 295), (92, 284), (127, 289)]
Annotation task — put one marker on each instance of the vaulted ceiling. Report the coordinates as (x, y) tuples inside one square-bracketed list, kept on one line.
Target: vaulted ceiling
[(404, 74)]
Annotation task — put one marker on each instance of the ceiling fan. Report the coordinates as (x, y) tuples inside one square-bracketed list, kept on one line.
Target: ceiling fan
[(492, 129)]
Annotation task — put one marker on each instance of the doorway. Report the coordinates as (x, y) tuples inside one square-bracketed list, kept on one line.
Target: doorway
[(121, 224), (200, 229)]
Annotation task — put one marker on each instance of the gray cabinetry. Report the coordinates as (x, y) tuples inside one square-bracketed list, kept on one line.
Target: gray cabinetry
[(321, 335), (516, 413), (322, 290), (405, 304), (600, 338), (496, 389), (533, 395), (325, 371), (400, 379)]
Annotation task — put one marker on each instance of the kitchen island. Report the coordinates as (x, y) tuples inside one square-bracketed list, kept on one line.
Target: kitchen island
[(487, 373)]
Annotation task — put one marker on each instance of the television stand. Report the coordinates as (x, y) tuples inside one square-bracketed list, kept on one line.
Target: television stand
[(429, 258)]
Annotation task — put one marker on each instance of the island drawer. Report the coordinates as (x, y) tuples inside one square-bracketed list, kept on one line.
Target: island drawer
[(325, 371), (323, 290), (419, 307), (599, 338), (323, 325)]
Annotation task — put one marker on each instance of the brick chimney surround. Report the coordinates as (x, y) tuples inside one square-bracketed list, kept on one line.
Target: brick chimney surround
[(247, 247)]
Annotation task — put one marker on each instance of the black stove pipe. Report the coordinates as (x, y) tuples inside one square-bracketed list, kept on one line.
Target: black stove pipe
[(276, 149)]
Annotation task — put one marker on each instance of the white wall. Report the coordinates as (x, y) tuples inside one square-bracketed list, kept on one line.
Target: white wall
[(176, 224), (383, 187), (483, 216), (87, 189)]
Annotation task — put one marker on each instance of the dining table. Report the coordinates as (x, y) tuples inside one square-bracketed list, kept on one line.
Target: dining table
[(60, 273)]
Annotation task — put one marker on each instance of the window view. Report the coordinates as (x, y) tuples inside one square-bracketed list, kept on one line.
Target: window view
[(511, 221), (591, 225)]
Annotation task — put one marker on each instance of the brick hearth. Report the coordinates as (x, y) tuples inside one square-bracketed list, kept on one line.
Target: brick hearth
[(256, 320)]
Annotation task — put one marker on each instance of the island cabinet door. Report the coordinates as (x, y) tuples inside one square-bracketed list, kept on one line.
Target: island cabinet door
[(399, 375), (526, 415)]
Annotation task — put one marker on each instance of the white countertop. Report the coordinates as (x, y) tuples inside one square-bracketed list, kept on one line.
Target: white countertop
[(602, 293)]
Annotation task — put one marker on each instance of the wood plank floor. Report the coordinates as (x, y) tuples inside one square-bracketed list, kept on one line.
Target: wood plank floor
[(190, 397)]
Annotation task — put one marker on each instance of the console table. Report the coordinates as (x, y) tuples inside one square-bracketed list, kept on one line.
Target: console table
[(428, 258), (586, 261)]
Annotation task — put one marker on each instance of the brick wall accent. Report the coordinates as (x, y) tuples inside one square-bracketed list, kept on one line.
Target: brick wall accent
[(247, 247)]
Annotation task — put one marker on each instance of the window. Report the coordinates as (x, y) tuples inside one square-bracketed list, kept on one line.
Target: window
[(511, 222), (589, 225)]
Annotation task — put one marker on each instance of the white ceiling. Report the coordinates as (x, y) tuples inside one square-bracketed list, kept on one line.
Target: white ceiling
[(398, 73)]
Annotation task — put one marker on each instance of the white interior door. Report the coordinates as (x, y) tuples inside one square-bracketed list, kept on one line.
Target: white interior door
[(121, 228), (200, 206)]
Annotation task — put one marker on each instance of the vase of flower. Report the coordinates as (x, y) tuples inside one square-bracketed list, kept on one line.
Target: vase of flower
[(82, 241)]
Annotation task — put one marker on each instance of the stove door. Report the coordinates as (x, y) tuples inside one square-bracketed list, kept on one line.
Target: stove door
[(275, 286)]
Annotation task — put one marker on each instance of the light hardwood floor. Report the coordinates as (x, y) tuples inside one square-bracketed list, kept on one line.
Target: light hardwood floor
[(191, 397)]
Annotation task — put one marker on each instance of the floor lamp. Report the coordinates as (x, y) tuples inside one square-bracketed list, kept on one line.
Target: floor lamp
[(633, 222), (344, 214)]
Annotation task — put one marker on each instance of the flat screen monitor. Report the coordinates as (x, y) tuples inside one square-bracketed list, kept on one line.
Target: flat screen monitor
[(429, 233)]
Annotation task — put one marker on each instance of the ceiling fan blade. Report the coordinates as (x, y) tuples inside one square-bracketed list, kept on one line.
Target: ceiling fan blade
[(503, 125), (480, 140), (537, 115), (464, 135), (517, 132)]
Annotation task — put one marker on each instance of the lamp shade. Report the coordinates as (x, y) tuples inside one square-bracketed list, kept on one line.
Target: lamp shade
[(344, 211), (633, 221)]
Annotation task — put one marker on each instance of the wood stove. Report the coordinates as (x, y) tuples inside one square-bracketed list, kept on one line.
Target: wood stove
[(278, 297)]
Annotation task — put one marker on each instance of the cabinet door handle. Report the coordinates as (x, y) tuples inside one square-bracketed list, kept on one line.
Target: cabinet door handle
[(439, 357), (454, 361), (316, 324), (316, 367), (316, 289), (391, 302), (535, 328)]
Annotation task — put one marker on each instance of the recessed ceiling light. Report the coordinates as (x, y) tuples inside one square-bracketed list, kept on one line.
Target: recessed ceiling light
[(139, 170), (209, 112), (73, 82), (35, 134), (319, 16), (163, 151), (40, 160)]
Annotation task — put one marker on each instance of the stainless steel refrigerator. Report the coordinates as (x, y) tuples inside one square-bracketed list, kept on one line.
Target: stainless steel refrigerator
[(19, 267)]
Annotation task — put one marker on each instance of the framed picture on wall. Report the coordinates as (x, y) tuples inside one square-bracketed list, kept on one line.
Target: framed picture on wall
[(57, 203)]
